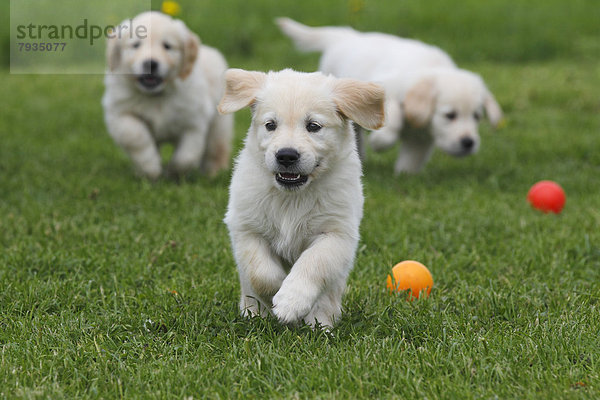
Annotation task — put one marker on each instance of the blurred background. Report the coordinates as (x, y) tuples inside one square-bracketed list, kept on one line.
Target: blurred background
[(470, 30)]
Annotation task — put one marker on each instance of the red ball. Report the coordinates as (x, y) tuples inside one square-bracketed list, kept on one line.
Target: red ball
[(547, 196)]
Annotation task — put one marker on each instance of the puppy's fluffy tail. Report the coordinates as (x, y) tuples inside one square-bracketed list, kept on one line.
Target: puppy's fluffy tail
[(309, 38)]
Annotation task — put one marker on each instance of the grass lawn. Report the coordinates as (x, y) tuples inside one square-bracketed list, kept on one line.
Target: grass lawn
[(114, 287)]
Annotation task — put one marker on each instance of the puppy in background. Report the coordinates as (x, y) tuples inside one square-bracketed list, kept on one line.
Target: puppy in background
[(162, 85), (296, 198), (430, 102)]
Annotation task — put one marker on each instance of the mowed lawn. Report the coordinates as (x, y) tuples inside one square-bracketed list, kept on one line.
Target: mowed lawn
[(116, 287)]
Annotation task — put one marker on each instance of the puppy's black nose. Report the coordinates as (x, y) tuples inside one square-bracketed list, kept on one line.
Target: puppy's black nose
[(467, 143), (150, 66), (287, 156)]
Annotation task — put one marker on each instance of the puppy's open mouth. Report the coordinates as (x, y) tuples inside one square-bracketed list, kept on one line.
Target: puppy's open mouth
[(290, 180), (150, 81)]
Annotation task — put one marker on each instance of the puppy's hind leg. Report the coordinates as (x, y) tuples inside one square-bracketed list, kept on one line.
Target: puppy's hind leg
[(218, 145)]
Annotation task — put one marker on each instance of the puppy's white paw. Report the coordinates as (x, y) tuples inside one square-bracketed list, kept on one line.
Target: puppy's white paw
[(292, 303), (147, 162), (250, 307), (151, 171), (405, 165), (183, 163)]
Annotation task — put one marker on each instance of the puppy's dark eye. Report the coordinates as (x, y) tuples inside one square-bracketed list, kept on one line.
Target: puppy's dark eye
[(477, 116), (136, 44), (270, 125), (312, 126), (450, 115), (166, 46)]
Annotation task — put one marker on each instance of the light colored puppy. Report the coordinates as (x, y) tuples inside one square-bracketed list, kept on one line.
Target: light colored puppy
[(162, 85), (296, 198), (430, 102)]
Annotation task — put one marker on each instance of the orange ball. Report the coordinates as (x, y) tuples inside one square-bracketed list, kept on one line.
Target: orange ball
[(410, 275)]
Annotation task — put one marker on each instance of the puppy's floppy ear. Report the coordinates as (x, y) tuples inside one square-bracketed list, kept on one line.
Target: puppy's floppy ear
[(492, 109), (362, 102), (419, 102), (240, 89), (113, 50), (191, 47)]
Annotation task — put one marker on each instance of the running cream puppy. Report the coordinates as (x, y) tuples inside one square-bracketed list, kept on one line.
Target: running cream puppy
[(296, 197)]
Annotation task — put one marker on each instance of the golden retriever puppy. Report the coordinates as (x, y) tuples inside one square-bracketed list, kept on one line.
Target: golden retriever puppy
[(430, 102), (162, 85), (296, 197)]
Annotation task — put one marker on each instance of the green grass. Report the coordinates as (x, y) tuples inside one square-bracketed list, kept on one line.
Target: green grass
[(114, 287)]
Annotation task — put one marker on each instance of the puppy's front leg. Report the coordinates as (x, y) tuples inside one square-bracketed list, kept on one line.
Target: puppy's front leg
[(314, 277), (134, 137), (189, 151), (384, 138), (260, 272), (413, 156)]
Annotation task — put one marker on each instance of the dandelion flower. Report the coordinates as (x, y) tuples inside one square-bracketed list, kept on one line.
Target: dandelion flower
[(171, 8)]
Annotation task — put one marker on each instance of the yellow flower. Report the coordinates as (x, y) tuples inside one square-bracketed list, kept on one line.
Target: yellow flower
[(171, 8), (501, 124), (356, 5)]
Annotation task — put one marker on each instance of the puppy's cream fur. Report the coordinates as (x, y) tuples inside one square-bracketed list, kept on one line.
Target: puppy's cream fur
[(174, 101), (430, 102), (294, 239)]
